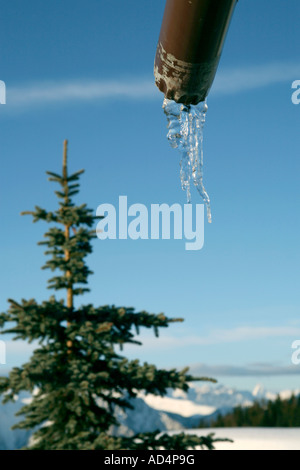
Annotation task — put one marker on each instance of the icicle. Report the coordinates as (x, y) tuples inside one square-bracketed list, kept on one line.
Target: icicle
[(185, 132)]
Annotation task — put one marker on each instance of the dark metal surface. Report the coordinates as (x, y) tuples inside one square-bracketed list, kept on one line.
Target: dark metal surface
[(189, 47)]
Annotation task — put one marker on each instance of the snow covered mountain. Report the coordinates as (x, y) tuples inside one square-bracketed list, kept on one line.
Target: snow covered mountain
[(178, 410), (12, 439)]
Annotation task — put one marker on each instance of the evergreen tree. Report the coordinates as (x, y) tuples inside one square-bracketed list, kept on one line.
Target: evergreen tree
[(76, 376)]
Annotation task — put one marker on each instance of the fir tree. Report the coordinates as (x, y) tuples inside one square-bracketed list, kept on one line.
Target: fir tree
[(272, 413), (76, 376)]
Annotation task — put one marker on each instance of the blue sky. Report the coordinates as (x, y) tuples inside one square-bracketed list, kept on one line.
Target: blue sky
[(84, 71)]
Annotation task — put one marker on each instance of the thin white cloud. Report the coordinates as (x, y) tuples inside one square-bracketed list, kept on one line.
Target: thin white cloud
[(217, 336), (255, 76), (228, 81), (16, 349), (248, 333), (249, 370), (252, 77), (76, 91)]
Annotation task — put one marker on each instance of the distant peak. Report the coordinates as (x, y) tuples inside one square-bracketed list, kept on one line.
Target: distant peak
[(258, 391)]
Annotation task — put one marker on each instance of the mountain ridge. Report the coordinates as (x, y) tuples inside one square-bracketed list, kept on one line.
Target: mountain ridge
[(176, 411)]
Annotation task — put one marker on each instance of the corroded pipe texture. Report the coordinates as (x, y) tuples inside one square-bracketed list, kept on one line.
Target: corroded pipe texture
[(190, 46)]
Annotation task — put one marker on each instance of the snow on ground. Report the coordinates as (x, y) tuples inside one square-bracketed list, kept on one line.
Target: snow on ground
[(254, 438)]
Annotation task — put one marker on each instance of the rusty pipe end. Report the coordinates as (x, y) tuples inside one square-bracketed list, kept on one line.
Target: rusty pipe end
[(181, 81), (189, 48)]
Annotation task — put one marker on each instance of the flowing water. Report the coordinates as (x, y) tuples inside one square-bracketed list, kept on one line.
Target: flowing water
[(185, 132)]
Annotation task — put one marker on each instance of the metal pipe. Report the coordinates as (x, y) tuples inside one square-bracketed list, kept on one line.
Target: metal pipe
[(189, 48)]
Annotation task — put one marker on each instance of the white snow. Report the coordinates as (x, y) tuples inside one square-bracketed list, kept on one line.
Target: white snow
[(182, 407), (286, 394), (254, 438), (259, 391)]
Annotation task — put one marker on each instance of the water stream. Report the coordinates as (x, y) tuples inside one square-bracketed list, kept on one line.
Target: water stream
[(185, 132)]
